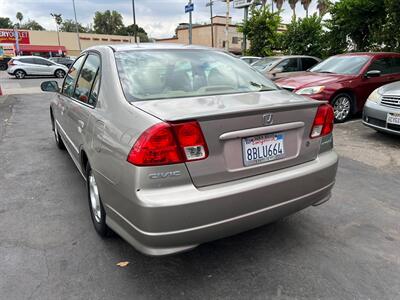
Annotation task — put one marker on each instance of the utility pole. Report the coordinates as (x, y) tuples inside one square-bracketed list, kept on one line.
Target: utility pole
[(134, 19), (246, 17), (77, 27), (190, 24), (227, 25), (210, 4)]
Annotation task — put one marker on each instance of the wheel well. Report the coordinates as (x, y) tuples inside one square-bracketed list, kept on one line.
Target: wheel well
[(58, 70), (84, 159), (19, 70), (52, 118)]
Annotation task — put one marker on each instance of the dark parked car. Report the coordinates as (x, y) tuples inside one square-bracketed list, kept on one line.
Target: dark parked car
[(4, 63), (346, 80), (63, 61)]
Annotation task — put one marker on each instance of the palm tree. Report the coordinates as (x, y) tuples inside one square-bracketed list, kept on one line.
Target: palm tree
[(19, 17), (323, 6), (58, 19), (278, 3), (292, 4), (306, 5)]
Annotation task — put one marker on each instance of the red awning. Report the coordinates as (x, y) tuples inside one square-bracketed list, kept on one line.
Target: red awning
[(40, 48)]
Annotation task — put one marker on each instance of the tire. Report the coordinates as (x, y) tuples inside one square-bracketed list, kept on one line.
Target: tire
[(342, 107), (97, 212), (59, 73), (20, 74), (57, 137), (3, 67)]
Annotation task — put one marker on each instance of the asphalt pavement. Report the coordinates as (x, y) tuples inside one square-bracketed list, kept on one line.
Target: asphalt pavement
[(347, 248)]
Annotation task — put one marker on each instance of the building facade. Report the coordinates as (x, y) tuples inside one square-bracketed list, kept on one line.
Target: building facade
[(51, 43), (206, 33)]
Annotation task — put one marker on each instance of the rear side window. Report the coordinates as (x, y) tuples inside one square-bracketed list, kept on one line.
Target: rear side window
[(307, 63), (27, 60), (68, 88), (42, 62), (288, 65), (86, 79)]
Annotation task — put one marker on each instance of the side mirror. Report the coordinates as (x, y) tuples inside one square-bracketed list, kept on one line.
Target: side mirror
[(50, 86), (373, 73)]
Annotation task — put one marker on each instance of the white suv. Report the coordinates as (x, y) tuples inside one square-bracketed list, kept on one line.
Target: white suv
[(22, 66)]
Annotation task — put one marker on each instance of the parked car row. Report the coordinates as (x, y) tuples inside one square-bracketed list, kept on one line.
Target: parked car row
[(345, 81)]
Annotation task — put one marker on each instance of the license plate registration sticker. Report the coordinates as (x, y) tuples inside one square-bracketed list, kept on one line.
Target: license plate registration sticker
[(263, 148), (393, 118)]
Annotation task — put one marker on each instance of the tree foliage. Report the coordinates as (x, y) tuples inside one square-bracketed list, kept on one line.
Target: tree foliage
[(131, 29), (108, 22), (6, 23), (354, 22), (68, 25), (304, 36), (262, 31), (32, 25), (388, 38)]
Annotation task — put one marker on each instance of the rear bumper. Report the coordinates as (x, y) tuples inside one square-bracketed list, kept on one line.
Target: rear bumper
[(375, 115), (194, 216)]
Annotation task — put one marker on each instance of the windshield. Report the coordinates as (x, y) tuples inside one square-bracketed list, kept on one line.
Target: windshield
[(265, 63), (348, 65), (163, 74)]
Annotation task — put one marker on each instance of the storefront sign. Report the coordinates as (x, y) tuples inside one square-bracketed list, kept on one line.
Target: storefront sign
[(8, 36)]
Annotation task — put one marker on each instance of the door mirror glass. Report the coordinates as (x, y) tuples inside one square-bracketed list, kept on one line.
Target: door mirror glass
[(373, 73), (50, 86)]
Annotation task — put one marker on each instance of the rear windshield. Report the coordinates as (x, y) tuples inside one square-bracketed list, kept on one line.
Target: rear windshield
[(164, 74), (265, 63), (347, 65)]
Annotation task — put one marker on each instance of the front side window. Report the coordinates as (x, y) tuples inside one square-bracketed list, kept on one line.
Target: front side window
[(288, 65), (347, 65), (73, 72), (163, 74), (307, 62), (86, 78), (381, 64)]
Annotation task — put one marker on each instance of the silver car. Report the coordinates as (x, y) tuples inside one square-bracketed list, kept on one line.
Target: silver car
[(180, 145), (22, 66), (382, 109)]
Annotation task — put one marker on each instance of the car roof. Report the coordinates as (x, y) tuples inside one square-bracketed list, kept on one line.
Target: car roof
[(291, 56), (27, 56), (152, 46), (369, 54)]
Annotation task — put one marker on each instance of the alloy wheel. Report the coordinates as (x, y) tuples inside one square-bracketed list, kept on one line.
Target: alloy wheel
[(341, 108), (94, 198), (20, 74), (60, 74)]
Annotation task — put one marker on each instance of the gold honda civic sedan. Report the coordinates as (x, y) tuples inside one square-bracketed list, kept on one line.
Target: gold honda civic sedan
[(180, 145)]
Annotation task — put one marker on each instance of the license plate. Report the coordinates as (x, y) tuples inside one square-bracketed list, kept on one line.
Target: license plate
[(393, 118), (263, 148)]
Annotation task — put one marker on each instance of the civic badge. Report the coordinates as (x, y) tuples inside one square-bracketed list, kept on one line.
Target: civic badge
[(268, 119)]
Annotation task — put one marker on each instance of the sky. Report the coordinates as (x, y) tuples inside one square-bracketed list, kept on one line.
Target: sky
[(158, 17)]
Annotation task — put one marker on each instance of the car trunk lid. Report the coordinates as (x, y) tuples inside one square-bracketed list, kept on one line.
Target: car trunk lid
[(231, 124)]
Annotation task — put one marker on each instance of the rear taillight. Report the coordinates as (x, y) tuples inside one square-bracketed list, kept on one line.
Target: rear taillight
[(169, 143), (11, 63), (323, 122)]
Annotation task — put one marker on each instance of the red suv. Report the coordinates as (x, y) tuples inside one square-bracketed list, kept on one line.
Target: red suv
[(346, 80)]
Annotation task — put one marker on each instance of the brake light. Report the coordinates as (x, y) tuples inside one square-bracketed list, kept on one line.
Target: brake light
[(323, 122), (11, 63), (169, 143)]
